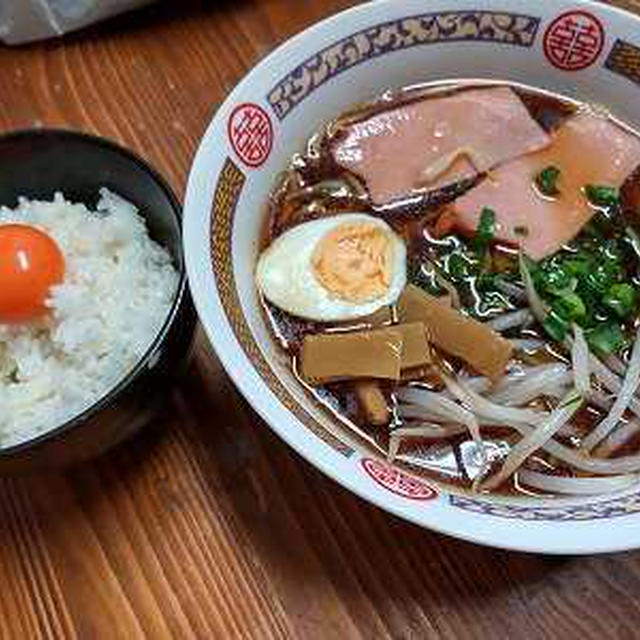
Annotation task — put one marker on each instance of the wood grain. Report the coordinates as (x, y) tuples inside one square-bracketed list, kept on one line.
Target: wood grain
[(207, 526)]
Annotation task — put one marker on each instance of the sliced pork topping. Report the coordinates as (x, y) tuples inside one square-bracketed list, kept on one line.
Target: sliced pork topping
[(437, 142), (542, 200)]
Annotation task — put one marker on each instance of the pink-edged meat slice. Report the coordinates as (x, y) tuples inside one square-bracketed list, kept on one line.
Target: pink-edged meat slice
[(587, 149), (436, 142)]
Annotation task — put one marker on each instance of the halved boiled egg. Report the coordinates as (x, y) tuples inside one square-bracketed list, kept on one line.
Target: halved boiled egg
[(338, 268)]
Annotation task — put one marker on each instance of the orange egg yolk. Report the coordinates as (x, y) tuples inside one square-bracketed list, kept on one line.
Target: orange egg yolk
[(30, 264), (354, 262)]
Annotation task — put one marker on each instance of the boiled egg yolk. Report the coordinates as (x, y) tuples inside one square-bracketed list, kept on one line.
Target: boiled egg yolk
[(353, 262), (30, 264)]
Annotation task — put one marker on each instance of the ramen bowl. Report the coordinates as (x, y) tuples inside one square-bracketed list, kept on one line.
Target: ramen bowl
[(583, 50)]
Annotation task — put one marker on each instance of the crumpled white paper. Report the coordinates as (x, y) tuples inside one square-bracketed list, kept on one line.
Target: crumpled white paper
[(28, 20)]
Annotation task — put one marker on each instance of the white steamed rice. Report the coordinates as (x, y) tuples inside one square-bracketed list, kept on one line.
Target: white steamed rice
[(118, 288)]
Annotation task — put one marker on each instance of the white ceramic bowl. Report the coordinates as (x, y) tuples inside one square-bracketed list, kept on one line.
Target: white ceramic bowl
[(581, 49)]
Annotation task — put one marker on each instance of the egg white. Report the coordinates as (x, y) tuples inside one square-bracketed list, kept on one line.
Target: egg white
[(284, 274)]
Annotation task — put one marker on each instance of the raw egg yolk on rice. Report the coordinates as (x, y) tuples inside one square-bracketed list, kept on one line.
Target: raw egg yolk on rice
[(30, 264)]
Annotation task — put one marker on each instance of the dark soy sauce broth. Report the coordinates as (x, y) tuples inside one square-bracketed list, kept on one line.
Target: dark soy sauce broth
[(313, 186)]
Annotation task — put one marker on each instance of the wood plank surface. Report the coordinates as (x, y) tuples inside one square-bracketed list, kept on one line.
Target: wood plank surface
[(206, 525)]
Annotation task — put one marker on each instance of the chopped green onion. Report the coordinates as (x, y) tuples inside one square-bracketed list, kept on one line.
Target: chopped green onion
[(569, 306), (602, 195), (598, 281), (460, 266), (577, 267), (555, 326), (589, 282), (621, 298), (606, 338), (554, 280), (487, 281), (486, 229), (547, 181)]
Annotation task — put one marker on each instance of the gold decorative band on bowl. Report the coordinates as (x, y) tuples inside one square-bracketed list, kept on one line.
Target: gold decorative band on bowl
[(624, 60)]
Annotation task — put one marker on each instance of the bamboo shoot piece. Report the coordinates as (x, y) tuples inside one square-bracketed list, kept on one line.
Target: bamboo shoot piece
[(456, 334)]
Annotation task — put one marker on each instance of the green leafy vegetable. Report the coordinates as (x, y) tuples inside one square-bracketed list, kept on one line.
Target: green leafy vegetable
[(621, 298), (606, 338), (460, 266), (569, 306), (598, 281), (556, 326), (578, 267), (553, 280), (486, 229), (547, 181), (590, 283), (602, 195)]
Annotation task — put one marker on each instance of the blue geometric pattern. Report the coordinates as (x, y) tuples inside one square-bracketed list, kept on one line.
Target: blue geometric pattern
[(605, 509), (404, 33)]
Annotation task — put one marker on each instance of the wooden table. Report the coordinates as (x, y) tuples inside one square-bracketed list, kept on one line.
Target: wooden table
[(207, 525)]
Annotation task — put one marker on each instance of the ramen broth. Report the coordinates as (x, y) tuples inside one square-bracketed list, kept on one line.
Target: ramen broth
[(449, 265)]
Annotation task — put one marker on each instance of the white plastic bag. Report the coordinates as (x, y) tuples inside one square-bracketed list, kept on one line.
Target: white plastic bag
[(27, 20)]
